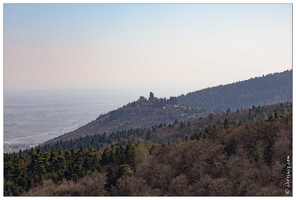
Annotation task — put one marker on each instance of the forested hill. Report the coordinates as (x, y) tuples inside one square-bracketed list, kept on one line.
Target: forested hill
[(138, 114), (170, 133), (233, 158), (269, 89), (265, 90)]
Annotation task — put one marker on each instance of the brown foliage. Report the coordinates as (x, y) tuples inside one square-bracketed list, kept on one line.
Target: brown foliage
[(92, 185), (131, 186), (242, 160), (179, 186)]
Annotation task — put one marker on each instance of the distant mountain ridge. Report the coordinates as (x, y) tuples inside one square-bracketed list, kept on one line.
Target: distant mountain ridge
[(265, 90)]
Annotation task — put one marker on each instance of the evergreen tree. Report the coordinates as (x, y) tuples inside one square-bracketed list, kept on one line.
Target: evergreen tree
[(130, 156), (226, 123), (276, 114)]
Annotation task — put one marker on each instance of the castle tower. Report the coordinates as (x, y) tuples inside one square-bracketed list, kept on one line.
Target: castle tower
[(151, 96)]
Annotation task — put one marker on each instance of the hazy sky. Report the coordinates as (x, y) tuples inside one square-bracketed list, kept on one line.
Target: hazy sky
[(68, 46)]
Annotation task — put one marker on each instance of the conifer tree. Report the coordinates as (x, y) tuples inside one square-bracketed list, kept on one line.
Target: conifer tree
[(226, 123)]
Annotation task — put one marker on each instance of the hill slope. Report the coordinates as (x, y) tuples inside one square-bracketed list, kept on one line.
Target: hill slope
[(273, 88), (269, 89), (162, 133), (138, 114)]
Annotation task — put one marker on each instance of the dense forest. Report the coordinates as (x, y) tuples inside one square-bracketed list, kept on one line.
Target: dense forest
[(269, 89), (241, 152)]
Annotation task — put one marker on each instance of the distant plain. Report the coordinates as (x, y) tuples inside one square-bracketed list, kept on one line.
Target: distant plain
[(33, 117)]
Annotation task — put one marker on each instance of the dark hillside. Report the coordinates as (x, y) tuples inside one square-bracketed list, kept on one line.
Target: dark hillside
[(138, 114), (269, 89), (170, 133), (144, 113)]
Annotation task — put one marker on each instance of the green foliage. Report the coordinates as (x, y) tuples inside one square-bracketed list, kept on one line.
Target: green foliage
[(226, 123)]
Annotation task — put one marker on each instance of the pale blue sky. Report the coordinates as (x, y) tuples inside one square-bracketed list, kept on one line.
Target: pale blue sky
[(190, 46)]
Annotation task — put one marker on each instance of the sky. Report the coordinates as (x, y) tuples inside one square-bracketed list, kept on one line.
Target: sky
[(134, 46)]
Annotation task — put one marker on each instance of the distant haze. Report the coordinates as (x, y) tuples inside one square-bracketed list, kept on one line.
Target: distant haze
[(132, 46)]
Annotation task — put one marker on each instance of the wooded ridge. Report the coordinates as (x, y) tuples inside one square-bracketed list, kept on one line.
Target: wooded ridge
[(170, 133), (144, 113), (264, 90)]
